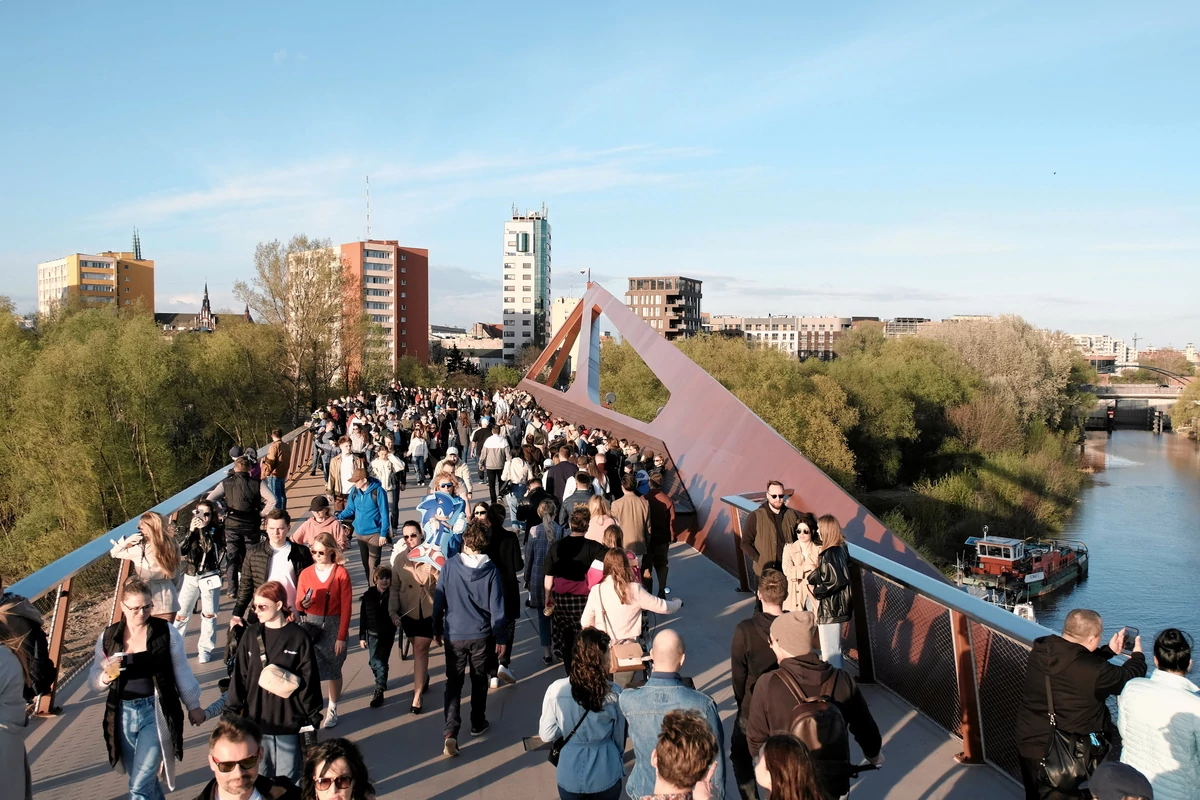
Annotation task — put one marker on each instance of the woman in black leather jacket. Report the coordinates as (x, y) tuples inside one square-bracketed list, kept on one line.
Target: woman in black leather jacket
[(830, 583)]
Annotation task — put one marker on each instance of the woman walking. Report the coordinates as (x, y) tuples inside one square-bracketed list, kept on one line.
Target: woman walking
[(599, 518), (565, 582), (202, 551), (799, 561), (141, 664), (830, 583), (583, 709), (537, 545), (411, 602), (418, 451), (327, 598), (270, 645), (155, 557), (786, 770)]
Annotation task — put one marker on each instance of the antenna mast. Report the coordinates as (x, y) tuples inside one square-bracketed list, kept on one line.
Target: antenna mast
[(368, 207)]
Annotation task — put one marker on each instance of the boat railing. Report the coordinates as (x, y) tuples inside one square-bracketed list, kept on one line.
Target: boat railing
[(77, 594), (957, 659)]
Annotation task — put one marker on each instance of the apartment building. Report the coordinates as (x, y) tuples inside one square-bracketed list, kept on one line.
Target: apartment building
[(670, 304), (799, 337), (526, 281), (111, 278), (393, 282)]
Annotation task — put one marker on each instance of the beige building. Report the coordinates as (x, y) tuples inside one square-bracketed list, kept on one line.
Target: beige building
[(560, 309), (110, 278), (799, 337)]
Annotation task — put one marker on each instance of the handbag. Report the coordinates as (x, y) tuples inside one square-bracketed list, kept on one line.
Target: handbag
[(625, 655), (274, 678), (1069, 760), (557, 747)]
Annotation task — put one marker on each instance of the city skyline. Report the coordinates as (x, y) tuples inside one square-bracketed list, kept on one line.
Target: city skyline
[(925, 161)]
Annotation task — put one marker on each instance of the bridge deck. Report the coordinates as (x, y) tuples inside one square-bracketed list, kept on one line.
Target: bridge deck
[(404, 751)]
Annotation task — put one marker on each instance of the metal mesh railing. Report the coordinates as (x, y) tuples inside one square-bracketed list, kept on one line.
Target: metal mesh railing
[(1000, 675)]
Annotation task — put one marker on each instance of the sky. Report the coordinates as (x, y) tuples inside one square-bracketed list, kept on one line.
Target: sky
[(879, 159)]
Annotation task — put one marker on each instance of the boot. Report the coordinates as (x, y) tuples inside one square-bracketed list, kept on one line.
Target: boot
[(377, 698)]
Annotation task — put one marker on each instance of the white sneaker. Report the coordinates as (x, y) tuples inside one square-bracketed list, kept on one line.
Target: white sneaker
[(494, 683), (506, 675), (330, 719), (450, 747)]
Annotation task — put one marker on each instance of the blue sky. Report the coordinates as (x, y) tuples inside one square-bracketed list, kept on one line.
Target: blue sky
[(849, 158)]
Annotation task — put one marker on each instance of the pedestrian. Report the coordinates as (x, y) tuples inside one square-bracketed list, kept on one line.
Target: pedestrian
[(578, 497), (326, 598), (599, 518), (799, 561), (411, 601), (335, 770), (492, 458), (458, 468), (142, 667), (1159, 721), (771, 527), (385, 468), (504, 549), (14, 761), (22, 631), (155, 557), (786, 769), (341, 472), (275, 466), (537, 545), (750, 658), (632, 513), (584, 709), (377, 632), (1074, 671), (418, 451), (321, 520), (243, 500), (557, 476), (684, 758), (662, 533), (565, 582), (468, 612), (779, 704), (203, 550), (273, 647), (235, 754), (276, 559), (645, 709), (1113, 780), (367, 504), (829, 583)]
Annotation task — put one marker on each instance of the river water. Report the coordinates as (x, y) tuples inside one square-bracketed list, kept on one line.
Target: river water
[(1140, 519)]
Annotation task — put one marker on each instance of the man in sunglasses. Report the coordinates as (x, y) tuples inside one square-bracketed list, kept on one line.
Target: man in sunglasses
[(769, 529), (234, 755)]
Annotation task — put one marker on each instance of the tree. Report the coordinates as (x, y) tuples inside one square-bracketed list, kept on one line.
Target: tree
[(1167, 358), (501, 378), (454, 360), (1185, 413), (301, 287)]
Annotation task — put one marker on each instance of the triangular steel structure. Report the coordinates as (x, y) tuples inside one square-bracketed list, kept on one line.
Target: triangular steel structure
[(716, 446)]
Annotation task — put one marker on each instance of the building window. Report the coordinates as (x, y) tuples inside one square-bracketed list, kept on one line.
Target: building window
[(526, 289), (510, 288), (525, 322), (510, 277), (510, 299), (404, 319), (403, 282)]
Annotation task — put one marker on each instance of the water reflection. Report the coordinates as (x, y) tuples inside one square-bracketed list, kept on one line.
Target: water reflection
[(1140, 519)]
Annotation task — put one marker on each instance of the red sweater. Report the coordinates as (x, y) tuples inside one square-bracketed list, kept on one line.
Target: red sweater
[(337, 589)]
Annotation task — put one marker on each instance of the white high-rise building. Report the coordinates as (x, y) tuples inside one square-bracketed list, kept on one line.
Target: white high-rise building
[(526, 281)]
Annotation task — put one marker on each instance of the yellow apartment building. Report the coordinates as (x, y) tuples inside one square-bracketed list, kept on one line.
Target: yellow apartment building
[(108, 278)]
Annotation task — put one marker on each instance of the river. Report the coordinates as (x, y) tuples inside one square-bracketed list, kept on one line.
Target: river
[(1140, 519)]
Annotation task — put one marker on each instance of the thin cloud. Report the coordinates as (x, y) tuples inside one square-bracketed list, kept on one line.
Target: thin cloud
[(280, 56)]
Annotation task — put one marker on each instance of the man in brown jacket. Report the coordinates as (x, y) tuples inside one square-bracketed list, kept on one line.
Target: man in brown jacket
[(632, 513), (771, 527), (275, 467)]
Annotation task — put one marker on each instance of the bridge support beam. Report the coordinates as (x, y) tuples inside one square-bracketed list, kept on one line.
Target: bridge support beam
[(970, 725)]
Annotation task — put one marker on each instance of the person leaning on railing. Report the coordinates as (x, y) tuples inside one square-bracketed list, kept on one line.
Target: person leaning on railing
[(141, 664)]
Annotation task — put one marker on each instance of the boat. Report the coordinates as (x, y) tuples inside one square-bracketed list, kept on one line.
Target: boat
[(1021, 606), (1021, 568)]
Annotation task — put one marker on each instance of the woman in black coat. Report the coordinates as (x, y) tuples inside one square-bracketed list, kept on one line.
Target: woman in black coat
[(830, 583)]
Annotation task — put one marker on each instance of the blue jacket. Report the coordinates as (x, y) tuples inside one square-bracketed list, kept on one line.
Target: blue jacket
[(644, 710), (369, 510), (468, 602)]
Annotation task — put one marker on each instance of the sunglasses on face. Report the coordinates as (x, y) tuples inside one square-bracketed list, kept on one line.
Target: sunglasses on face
[(341, 782), (481, 513), (319, 552), (804, 531), (139, 609), (445, 485), (774, 496), (262, 606), (409, 537), (246, 764)]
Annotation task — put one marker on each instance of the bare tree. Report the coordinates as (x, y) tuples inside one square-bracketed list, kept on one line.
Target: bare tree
[(301, 287)]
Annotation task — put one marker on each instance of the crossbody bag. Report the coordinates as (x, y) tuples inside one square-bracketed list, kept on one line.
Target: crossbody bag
[(559, 743), (274, 678), (625, 655), (1069, 760)]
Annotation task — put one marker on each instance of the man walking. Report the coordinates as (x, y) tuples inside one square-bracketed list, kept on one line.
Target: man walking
[(632, 513), (1075, 669), (645, 709), (662, 533), (492, 457), (367, 504), (468, 613), (275, 467), (750, 658), (243, 503)]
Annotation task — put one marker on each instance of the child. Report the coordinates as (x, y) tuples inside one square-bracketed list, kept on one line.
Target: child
[(377, 632)]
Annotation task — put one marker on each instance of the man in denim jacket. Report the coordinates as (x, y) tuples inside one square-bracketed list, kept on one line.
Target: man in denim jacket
[(646, 707)]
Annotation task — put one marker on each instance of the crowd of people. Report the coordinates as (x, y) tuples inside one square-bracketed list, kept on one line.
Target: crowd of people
[(576, 526)]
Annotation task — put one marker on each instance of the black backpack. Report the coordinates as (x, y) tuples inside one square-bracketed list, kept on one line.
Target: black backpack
[(818, 722)]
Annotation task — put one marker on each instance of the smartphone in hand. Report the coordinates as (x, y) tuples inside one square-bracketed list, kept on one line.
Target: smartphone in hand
[(1131, 634), (307, 600)]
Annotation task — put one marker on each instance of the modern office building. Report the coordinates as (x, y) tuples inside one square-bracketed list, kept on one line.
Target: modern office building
[(526, 281), (111, 278), (670, 304)]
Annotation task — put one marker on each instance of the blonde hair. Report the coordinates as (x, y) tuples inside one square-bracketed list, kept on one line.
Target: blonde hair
[(163, 546), (616, 566), (598, 506), (325, 539), (831, 532), (614, 536)]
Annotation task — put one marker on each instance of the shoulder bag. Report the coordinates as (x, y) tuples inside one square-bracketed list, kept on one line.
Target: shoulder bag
[(625, 655), (557, 747), (274, 678), (312, 629), (1070, 758)]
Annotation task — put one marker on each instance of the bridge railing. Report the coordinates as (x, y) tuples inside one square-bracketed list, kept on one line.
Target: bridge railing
[(958, 660), (77, 594)]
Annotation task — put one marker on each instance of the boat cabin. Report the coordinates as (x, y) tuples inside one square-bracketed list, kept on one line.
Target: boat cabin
[(997, 554)]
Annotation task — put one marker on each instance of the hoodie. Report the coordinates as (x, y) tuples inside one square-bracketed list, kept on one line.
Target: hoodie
[(1080, 680), (468, 602), (369, 510), (750, 657)]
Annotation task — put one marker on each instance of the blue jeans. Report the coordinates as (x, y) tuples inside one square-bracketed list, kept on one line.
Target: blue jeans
[(317, 457), (420, 468), (275, 487), (379, 660), (282, 757), (140, 751), (611, 793)]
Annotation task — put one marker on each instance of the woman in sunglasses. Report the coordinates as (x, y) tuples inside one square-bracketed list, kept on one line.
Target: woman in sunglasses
[(203, 551), (335, 770), (141, 664), (327, 597), (411, 604), (280, 718)]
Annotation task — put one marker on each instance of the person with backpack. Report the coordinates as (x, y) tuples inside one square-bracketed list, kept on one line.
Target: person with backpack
[(647, 707), (243, 504), (819, 704), (367, 504)]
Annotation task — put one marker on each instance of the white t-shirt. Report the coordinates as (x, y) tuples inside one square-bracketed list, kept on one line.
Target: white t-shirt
[(257, 795), (347, 471), (281, 570)]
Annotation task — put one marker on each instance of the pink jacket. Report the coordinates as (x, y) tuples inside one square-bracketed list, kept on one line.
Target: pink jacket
[(623, 621), (306, 534)]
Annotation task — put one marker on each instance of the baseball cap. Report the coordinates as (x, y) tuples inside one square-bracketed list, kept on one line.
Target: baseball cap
[(451, 451), (794, 631), (319, 503), (1113, 780), (235, 452)]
